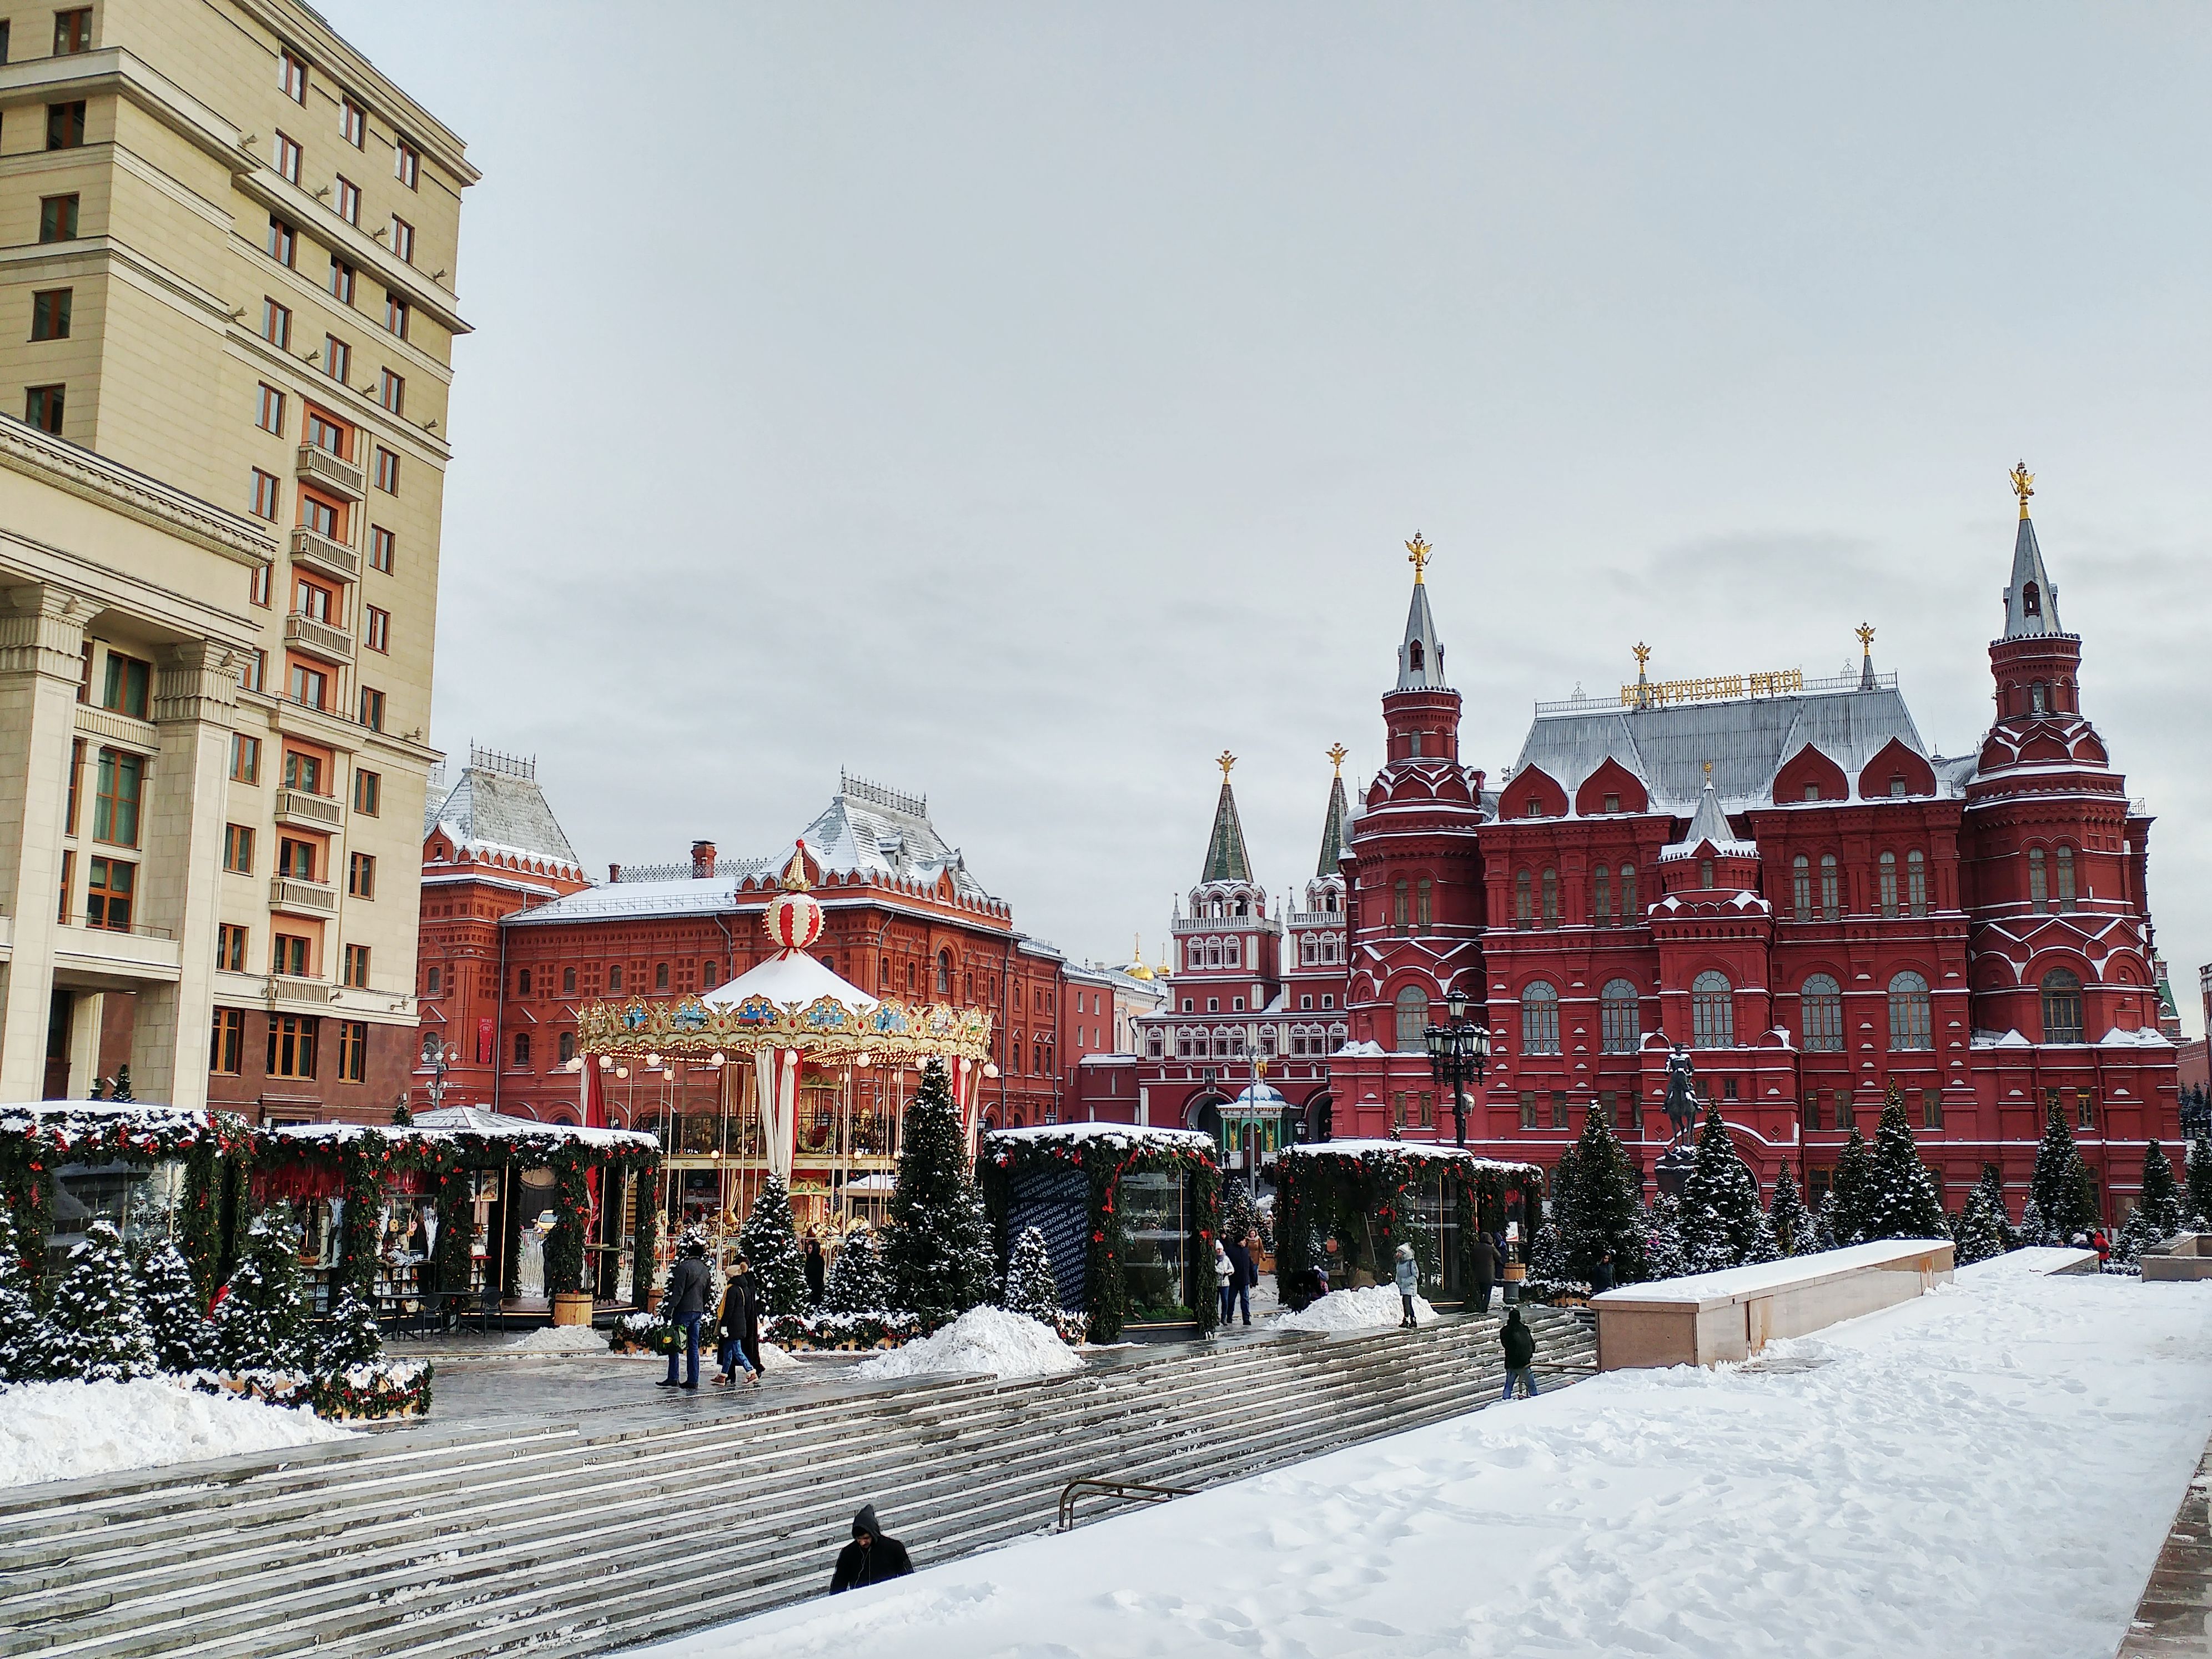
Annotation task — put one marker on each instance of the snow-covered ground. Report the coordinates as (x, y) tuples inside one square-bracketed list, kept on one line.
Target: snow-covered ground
[(985, 1340), (1376, 1306), (1989, 1470), (63, 1431)]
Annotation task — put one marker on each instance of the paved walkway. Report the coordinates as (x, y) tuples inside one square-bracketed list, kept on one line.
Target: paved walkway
[(2174, 1618)]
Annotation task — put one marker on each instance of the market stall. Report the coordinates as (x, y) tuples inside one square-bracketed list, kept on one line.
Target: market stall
[(1344, 1207), (1128, 1214)]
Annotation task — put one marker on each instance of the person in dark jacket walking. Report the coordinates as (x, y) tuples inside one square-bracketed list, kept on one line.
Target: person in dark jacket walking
[(871, 1557), (1486, 1271), (1243, 1277), (737, 1326), (1520, 1345), (817, 1272), (685, 1299), (1602, 1275)]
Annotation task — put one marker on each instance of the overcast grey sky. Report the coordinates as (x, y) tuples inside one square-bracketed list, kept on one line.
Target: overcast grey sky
[(1020, 404)]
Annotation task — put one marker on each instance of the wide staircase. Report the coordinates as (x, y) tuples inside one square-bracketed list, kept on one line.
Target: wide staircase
[(530, 1532)]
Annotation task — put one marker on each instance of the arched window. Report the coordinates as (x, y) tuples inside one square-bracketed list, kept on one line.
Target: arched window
[(1423, 911), (1910, 1022), (1832, 897), (2065, 878), (1540, 1018), (660, 976), (522, 1047), (522, 982), (1622, 1028), (568, 981), (1550, 898), (1713, 1011), (2061, 1006), (1820, 1011), (566, 1044), (2031, 600), (1525, 903), (614, 976), (2038, 696), (1404, 917), (1915, 881), (1412, 1019), (1800, 887), (944, 973), (1629, 910), (2039, 882), (1889, 883), (1601, 895), (1413, 655)]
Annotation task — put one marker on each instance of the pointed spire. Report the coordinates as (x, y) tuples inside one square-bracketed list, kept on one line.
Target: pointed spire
[(1421, 657), (1225, 857), (1866, 657), (1710, 823), (1331, 827), (2032, 601)]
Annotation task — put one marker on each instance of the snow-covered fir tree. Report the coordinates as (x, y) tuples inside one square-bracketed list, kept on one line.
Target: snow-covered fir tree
[(2161, 1194), (1663, 1257), (169, 1302), (262, 1324), (1606, 1213), (1791, 1221), (1902, 1199), (1030, 1288), (354, 1337), (1845, 1212), (2055, 1186), (1720, 1201), (1991, 1188), (938, 1250), (1548, 1259), (93, 1332), (2033, 1229), (2196, 1193), (21, 1358), (1981, 1233), (770, 1243), (856, 1282), (1240, 1217)]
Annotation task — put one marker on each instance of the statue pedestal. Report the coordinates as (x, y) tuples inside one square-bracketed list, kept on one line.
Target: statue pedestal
[(1673, 1168)]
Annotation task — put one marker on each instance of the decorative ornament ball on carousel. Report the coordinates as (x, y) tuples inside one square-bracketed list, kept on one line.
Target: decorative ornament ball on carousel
[(794, 918)]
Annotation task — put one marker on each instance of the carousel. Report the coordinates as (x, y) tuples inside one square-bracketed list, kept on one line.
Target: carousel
[(787, 1070)]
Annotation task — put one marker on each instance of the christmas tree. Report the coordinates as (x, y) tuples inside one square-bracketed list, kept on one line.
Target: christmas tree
[(1547, 1260), (2161, 1196), (93, 1332), (856, 1282), (2034, 1229), (1981, 1230), (1663, 1256), (2197, 1198), (170, 1303), (354, 1338), (1605, 1213), (1720, 1201), (769, 1242), (1991, 1188), (1240, 1216), (21, 1358), (939, 1253), (1030, 1288), (262, 1324), (1902, 1199), (1794, 1231), (1845, 1213), (2057, 1184)]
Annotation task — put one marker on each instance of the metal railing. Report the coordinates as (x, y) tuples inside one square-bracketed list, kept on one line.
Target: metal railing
[(1136, 1491)]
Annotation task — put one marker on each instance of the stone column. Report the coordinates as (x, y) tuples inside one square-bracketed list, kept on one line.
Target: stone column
[(42, 661), (179, 875)]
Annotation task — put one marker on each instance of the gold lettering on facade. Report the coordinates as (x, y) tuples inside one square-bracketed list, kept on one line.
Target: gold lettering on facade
[(1715, 688)]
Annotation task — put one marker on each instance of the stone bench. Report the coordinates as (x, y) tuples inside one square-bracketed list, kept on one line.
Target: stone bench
[(2184, 1256), (1705, 1318)]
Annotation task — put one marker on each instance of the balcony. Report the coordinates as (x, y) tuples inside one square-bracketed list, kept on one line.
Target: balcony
[(284, 988), (307, 812), (302, 898), (318, 639), (326, 555), (319, 466)]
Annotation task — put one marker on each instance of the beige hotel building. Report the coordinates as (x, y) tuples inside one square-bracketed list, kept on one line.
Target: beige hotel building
[(228, 247)]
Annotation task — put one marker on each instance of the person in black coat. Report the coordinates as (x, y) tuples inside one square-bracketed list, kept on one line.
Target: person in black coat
[(871, 1557), (817, 1272), (1243, 1275), (1486, 1271), (685, 1299), (737, 1326), (1520, 1345), (1602, 1275)]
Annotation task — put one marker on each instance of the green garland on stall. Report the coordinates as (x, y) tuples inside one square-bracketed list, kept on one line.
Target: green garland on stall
[(572, 1221), (1105, 1159), (457, 1227), (644, 1237), (1324, 1194)]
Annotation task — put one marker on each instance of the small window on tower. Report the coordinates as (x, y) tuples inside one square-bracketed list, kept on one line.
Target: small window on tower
[(1811, 792), (1897, 786), (2031, 600), (1613, 803), (1414, 661), (2039, 698)]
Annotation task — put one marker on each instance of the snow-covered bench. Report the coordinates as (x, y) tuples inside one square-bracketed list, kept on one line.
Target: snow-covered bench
[(1704, 1318)]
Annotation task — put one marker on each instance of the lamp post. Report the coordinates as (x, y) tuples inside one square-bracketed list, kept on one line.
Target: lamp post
[(1459, 1054), (436, 1056)]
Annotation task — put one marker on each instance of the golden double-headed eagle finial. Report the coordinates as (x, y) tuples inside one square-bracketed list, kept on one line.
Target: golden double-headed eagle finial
[(1865, 631), (1225, 761), (2023, 484), (1420, 553), (1336, 752), (1643, 656)]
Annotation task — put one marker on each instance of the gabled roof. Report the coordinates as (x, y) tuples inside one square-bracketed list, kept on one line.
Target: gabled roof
[(1225, 857), (868, 828), (492, 810)]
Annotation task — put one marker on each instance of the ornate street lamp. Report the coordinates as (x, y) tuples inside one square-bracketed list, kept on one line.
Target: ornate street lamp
[(436, 1057), (1459, 1054)]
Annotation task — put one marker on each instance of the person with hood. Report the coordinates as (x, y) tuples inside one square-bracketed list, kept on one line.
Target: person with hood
[(685, 1299), (1224, 1277), (818, 1273), (737, 1326), (1486, 1271), (1520, 1345), (871, 1557), (1408, 1275), (1245, 1276), (1602, 1275)]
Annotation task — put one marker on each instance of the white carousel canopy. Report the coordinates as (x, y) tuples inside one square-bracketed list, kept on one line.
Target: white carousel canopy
[(789, 977)]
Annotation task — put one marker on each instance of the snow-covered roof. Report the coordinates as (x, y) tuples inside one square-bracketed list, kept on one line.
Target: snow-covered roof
[(1115, 1134), (1413, 1149), (446, 1121), (1710, 825), (868, 828), (494, 810), (72, 1117), (788, 977), (713, 896), (1260, 1098)]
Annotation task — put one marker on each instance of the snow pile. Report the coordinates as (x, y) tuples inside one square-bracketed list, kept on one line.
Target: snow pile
[(1355, 1310), (773, 1358), (558, 1338), (986, 1340), (1987, 1470), (63, 1431)]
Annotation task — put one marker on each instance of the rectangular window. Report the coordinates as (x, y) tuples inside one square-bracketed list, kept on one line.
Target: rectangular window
[(1528, 1108), (357, 966), (2085, 1102), (321, 516), (257, 585), (3, 40), (283, 243), (292, 1045), (1398, 1109), (309, 687), (128, 684), (277, 324), (338, 358), (360, 875), (69, 877), (238, 849), (253, 673), (353, 122), (371, 708), (396, 312), (288, 158), (265, 494), (312, 601), (367, 793), (1813, 1110), (65, 125), (349, 206), (50, 315), (377, 635), (342, 277), (392, 392), (296, 860), (268, 410), (303, 772), (402, 238), (1559, 1109), (230, 948), (387, 471), (292, 76), (293, 955), (244, 759), (1841, 1100), (57, 218), (381, 543), (72, 31), (226, 1049), (76, 768), (107, 894), (42, 408), (406, 163), (1931, 1109), (353, 1051)]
